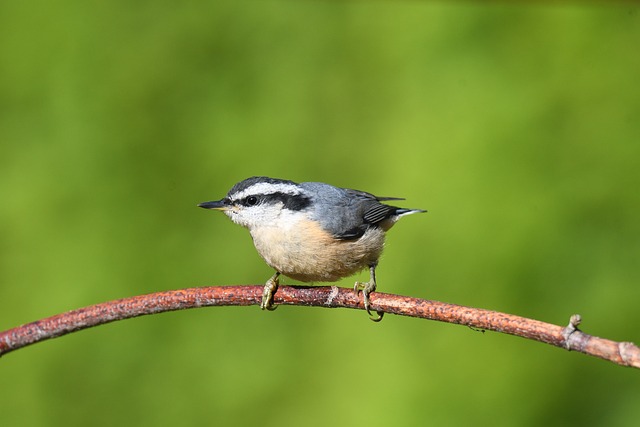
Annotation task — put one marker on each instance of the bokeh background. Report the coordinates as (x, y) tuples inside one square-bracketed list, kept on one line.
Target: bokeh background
[(516, 126)]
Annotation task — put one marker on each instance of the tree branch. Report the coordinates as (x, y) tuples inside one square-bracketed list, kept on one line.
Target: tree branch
[(569, 337)]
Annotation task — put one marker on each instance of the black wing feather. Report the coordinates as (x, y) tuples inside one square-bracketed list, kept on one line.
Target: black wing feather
[(378, 212), (370, 211)]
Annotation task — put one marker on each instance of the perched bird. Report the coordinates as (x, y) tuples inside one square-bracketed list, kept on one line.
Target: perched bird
[(312, 231)]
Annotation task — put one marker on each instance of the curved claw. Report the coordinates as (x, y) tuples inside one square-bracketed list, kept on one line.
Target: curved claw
[(269, 307), (376, 319)]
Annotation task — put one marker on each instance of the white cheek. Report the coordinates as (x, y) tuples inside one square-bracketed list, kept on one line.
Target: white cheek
[(255, 216), (232, 215)]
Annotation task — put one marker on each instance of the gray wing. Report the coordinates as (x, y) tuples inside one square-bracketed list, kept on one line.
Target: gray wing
[(369, 213), (348, 214)]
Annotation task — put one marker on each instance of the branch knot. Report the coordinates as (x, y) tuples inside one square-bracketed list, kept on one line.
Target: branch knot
[(568, 333)]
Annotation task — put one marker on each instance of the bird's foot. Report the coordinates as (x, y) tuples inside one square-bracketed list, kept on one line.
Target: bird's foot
[(270, 288), (367, 288)]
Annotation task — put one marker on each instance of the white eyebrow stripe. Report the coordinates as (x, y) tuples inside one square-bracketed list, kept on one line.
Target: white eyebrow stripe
[(266, 188)]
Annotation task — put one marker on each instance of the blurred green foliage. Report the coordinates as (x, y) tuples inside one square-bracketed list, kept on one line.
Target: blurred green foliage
[(517, 127)]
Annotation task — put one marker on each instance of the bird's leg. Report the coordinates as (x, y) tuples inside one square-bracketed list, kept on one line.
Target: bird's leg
[(270, 288), (367, 288)]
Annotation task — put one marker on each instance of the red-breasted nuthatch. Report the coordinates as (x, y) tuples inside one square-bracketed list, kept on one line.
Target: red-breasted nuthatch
[(312, 232)]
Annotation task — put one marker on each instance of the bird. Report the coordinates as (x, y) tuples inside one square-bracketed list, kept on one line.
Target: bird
[(312, 231)]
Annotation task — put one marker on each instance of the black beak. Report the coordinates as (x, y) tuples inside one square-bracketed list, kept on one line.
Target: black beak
[(217, 204)]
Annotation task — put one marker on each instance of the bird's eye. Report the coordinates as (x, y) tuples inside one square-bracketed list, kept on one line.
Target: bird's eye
[(252, 200)]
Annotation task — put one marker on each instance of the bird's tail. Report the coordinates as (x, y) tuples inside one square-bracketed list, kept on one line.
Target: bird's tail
[(402, 211)]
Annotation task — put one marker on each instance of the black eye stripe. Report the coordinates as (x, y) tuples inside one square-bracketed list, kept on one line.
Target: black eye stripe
[(294, 202), (249, 200)]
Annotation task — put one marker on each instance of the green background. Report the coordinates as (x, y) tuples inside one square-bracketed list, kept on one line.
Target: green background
[(517, 127)]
